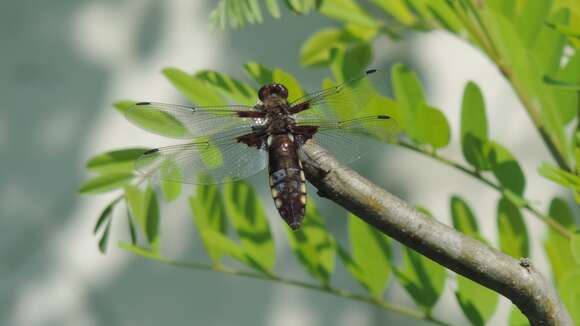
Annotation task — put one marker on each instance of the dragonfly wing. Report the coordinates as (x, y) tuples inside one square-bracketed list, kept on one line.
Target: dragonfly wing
[(349, 99), (349, 140), (184, 122), (218, 159)]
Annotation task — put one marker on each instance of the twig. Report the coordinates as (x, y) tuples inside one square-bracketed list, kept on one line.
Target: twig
[(552, 223), (486, 43), (398, 309), (524, 286)]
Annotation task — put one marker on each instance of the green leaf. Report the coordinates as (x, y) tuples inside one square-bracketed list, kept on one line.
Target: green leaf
[(152, 231), (148, 116), (137, 208), (517, 318), (398, 9), (527, 69), (439, 131), (224, 244), (505, 8), (192, 88), (316, 51), (302, 7), (124, 105), (566, 84), (249, 219), (105, 216), (254, 13), (352, 267), (422, 278), (477, 302), (260, 74), (560, 176), (115, 161), (366, 99), (313, 245), (104, 241), (209, 214), (557, 247), (371, 251), (569, 289), (347, 11), (568, 77), (139, 251), (424, 210), (238, 13), (349, 63), (409, 95), (356, 34), (474, 128), (421, 10), (144, 207), (561, 84), (505, 168), (549, 48), (531, 20), (569, 31), (171, 190), (463, 218), (294, 90), (131, 226), (550, 53), (218, 17), (561, 212), (575, 247), (238, 91), (513, 234), (273, 8), (170, 171), (444, 15), (577, 150), (423, 123), (106, 183)]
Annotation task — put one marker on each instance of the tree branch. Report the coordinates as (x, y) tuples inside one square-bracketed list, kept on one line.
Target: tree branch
[(516, 280)]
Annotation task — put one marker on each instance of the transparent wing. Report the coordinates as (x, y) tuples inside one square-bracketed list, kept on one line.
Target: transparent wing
[(349, 140), (357, 97), (184, 122), (217, 159)]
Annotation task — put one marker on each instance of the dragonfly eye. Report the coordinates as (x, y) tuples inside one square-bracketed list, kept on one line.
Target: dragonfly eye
[(271, 89)]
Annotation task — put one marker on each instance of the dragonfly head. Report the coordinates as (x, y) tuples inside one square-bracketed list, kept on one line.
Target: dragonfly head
[(273, 91)]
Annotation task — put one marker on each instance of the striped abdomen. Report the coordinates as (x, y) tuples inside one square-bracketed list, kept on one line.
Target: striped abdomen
[(287, 179)]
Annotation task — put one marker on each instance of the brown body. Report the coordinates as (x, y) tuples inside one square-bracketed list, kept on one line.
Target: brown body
[(287, 179), (282, 139)]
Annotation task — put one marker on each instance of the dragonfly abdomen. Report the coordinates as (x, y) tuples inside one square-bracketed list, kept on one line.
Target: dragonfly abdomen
[(287, 179)]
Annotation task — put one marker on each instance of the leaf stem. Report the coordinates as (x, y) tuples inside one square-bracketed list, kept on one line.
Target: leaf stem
[(485, 41), (478, 37), (398, 309), (552, 223)]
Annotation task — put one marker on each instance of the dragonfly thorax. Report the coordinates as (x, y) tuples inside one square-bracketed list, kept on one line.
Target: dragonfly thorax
[(280, 124)]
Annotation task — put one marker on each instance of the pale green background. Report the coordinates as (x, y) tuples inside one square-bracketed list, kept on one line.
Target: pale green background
[(64, 62)]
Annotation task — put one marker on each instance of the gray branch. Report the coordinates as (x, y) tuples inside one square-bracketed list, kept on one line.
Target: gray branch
[(516, 280)]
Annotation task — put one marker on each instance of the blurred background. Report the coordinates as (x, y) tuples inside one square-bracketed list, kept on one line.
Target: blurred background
[(63, 63)]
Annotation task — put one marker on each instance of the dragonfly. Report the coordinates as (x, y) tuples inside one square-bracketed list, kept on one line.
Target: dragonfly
[(229, 143)]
